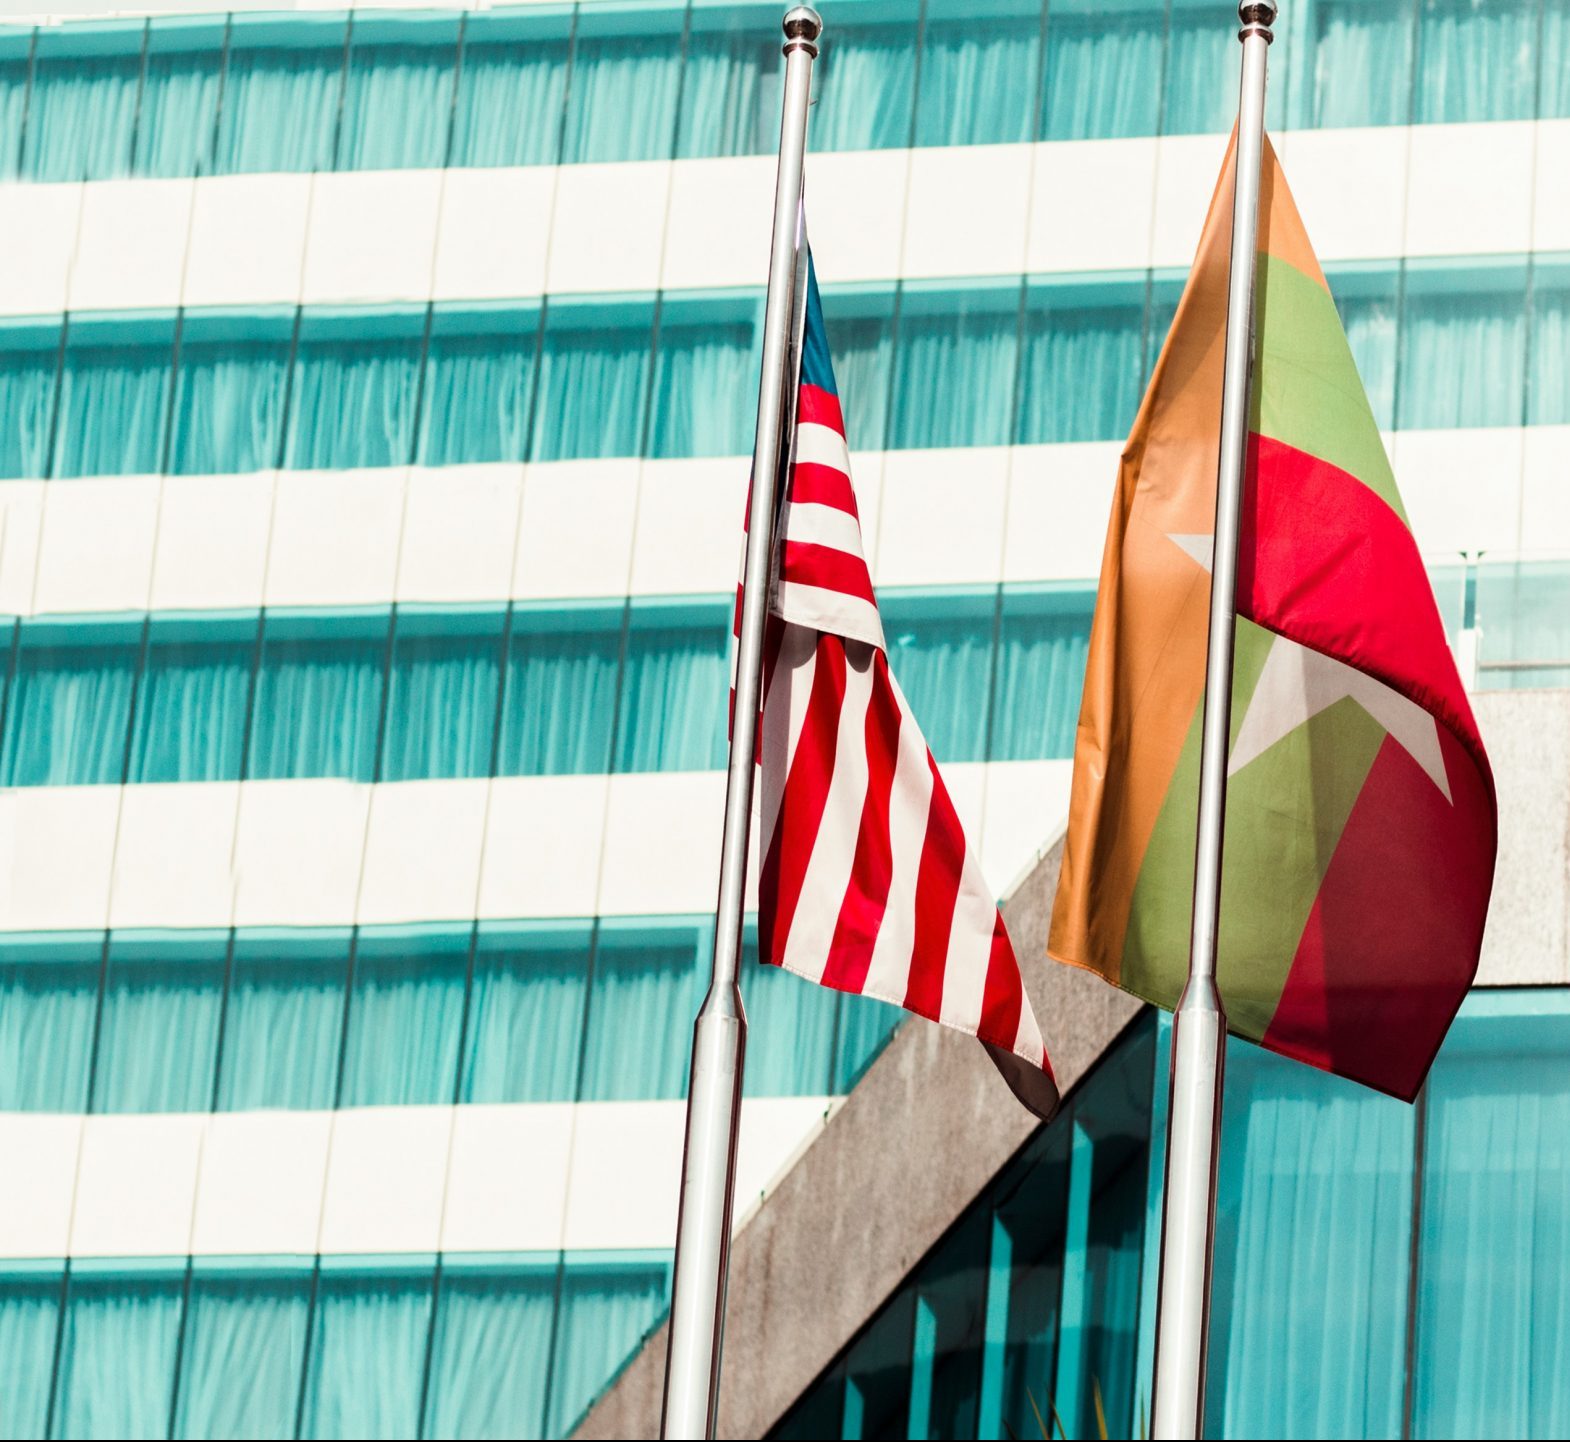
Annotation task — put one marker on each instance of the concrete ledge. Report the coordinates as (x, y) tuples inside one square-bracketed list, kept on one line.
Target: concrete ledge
[(927, 1127)]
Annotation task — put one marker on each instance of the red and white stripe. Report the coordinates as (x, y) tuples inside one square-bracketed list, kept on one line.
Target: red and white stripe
[(867, 882)]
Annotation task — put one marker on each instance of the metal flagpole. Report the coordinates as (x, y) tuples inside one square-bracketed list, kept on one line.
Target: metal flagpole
[(1199, 1034), (708, 1168)]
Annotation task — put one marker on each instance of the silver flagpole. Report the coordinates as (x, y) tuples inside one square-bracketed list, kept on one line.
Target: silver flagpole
[(1199, 1035), (719, 1041)]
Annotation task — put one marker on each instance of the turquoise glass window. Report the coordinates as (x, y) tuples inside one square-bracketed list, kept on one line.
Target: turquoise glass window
[(1463, 347), (15, 64), (979, 63), (675, 687), (1523, 608), (114, 396), (156, 988), (282, 88), (1200, 92), (479, 385), (318, 701), (491, 1352), (1476, 61), (705, 378), (864, 82), (69, 703), (398, 93), (646, 982), (860, 323), (48, 1011), (941, 653), (177, 111), (954, 368), (1081, 374), (189, 722), (441, 693), (526, 1013), (244, 1349), (790, 1027), (115, 1376), (594, 372), (1548, 375), (1368, 299), (81, 106), (560, 706), (355, 392), (29, 1326), (283, 1020), (29, 367), (626, 81), (1043, 641), (1103, 72), (730, 99), (405, 1016), (1362, 64), (230, 388), (368, 1346), (512, 86)]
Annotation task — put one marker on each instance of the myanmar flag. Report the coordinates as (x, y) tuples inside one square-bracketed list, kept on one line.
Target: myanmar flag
[(1361, 821)]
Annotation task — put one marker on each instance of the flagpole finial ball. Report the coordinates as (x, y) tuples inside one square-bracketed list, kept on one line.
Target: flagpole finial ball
[(1256, 16), (803, 25)]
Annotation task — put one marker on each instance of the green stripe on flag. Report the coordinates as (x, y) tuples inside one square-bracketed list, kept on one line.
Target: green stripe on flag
[(1307, 391), (1286, 810)]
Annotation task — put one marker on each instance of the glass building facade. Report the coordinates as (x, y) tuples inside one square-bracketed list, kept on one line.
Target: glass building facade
[(364, 624)]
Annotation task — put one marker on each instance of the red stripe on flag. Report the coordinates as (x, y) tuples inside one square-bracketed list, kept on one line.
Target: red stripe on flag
[(809, 564), (866, 898), (801, 807), (818, 407), (1003, 996), (937, 887), (818, 485)]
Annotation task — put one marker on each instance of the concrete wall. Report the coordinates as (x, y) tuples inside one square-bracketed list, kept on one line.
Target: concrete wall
[(931, 1122)]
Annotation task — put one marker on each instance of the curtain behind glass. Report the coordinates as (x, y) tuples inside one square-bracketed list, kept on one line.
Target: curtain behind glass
[(526, 1019), (1494, 1287), (1462, 360), (975, 77), (147, 1004), (1476, 61), (508, 109), (1553, 65), (13, 104), (179, 103), (66, 721), (1043, 645), (944, 667), (1081, 370), (704, 377), (280, 107), (954, 373), (1103, 73), (353, 403), (561, 698), (621, 104), (1362, 63), (244, 1346), (674, 691), (790, 1034), (228, 407), (645, 986), (113, 401), (47, 1012), (490, 1354), (863, 350), (397, 107), (1370, 325), (190, 712), (117, 1356), (476, 404), (730, 95), (602, 1316), (1549, 377), (1201, 73), (592, 381), (864, 87), (865, 1026), (81, 115), (441, 706), (405, 1015), (317, 708), (27, 392), (367, 1356), (1312, 1238), (282, 1030), (29, 1321)]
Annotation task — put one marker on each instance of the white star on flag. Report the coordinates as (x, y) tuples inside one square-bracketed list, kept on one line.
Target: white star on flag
[(1297, 683)]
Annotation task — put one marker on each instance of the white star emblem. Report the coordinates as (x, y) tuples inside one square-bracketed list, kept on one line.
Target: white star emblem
[(1297, 683)]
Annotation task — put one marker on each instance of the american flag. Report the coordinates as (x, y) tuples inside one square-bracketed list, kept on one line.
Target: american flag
[(867, 883)]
